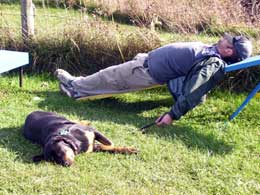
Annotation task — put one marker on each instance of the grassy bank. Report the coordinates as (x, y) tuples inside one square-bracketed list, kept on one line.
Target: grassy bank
[(83, 43), (172, 15)]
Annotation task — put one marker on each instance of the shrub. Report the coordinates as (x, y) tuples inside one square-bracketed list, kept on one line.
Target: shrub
[(83, 48), (183, 16)]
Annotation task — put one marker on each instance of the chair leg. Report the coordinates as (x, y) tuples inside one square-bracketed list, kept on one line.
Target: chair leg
[(249, 97), (20, 76)]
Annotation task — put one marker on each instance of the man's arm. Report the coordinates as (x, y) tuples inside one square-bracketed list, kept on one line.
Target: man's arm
[(201, 79)]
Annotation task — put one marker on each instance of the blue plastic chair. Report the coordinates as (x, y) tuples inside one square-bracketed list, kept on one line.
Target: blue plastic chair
[(10, 60), (249, 62)]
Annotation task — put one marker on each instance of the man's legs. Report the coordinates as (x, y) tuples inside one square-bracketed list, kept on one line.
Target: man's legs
[(64, 77), (122, 78)]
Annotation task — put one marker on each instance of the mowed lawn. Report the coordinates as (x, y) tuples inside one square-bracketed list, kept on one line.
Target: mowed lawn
[(199, 154)]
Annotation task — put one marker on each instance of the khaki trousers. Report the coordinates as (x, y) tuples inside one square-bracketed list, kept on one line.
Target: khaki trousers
[(122, 78)]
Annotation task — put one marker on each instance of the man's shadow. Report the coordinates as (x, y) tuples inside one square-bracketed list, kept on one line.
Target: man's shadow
[(205, 143), (52, 99), (111, 109)]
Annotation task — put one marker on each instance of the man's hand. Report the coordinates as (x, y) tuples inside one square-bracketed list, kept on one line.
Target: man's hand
[(165, 119)]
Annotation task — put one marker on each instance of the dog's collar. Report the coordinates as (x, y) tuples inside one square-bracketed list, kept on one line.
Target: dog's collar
[(64, 131)]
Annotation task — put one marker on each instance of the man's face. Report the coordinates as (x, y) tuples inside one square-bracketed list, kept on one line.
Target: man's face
[(226, 48)]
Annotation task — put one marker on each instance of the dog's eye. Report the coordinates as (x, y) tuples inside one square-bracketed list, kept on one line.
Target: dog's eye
[(55, 157)]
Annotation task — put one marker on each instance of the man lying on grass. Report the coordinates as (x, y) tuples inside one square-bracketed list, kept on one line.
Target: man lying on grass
[(200, 64)]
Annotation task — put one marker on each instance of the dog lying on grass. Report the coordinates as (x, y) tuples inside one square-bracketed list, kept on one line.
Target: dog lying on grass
[(62, 139)]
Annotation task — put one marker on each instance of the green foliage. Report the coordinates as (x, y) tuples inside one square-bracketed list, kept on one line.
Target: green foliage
[(213, 29), (81, 49), (199, 154)]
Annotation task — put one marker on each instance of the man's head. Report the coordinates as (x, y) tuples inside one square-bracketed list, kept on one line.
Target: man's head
[(234, 48)]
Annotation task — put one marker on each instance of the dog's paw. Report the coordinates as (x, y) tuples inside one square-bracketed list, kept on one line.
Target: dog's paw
[(126, 150), (133, 150)]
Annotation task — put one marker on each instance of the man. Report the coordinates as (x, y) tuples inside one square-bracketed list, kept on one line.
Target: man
[(200, 64)]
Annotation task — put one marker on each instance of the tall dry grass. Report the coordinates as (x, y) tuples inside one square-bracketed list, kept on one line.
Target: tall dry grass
[(82, 48), (212, 17), (185, 16)]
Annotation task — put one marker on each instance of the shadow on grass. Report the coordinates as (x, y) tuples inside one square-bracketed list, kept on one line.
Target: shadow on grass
[(120, 112), (13, 140), (193, 139), (60, 103)]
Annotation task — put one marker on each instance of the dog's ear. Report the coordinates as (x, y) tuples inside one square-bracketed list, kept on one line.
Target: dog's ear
[(38, 158), (48, 148), (72, 144)]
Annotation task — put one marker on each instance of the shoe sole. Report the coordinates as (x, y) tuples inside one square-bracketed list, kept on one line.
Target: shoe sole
[(64, 90)]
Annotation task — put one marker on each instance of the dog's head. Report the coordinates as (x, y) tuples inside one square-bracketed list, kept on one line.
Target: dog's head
[(60, 150)]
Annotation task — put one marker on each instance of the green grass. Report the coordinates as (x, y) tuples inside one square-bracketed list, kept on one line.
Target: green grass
[(49, 20), (199, 154)]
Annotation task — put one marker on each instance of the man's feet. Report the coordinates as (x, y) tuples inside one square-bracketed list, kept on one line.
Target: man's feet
[(64, 77)]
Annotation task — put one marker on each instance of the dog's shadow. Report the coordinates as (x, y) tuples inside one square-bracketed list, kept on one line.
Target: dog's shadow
[(14, 142)]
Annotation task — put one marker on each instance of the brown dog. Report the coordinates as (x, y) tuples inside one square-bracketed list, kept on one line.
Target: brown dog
[(62, 139)]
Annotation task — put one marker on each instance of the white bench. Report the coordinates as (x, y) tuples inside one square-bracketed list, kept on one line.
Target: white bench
[(10, 60)]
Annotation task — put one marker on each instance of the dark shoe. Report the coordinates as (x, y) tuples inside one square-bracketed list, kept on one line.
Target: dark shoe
[(67, 91)]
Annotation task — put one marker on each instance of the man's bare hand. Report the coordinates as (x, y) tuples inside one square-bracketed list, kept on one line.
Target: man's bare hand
[(165, 119)]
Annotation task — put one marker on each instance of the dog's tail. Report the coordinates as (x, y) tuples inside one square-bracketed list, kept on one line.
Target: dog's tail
[(115, 149)]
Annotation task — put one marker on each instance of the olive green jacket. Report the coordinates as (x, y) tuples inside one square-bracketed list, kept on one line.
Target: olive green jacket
[(204, 76)]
